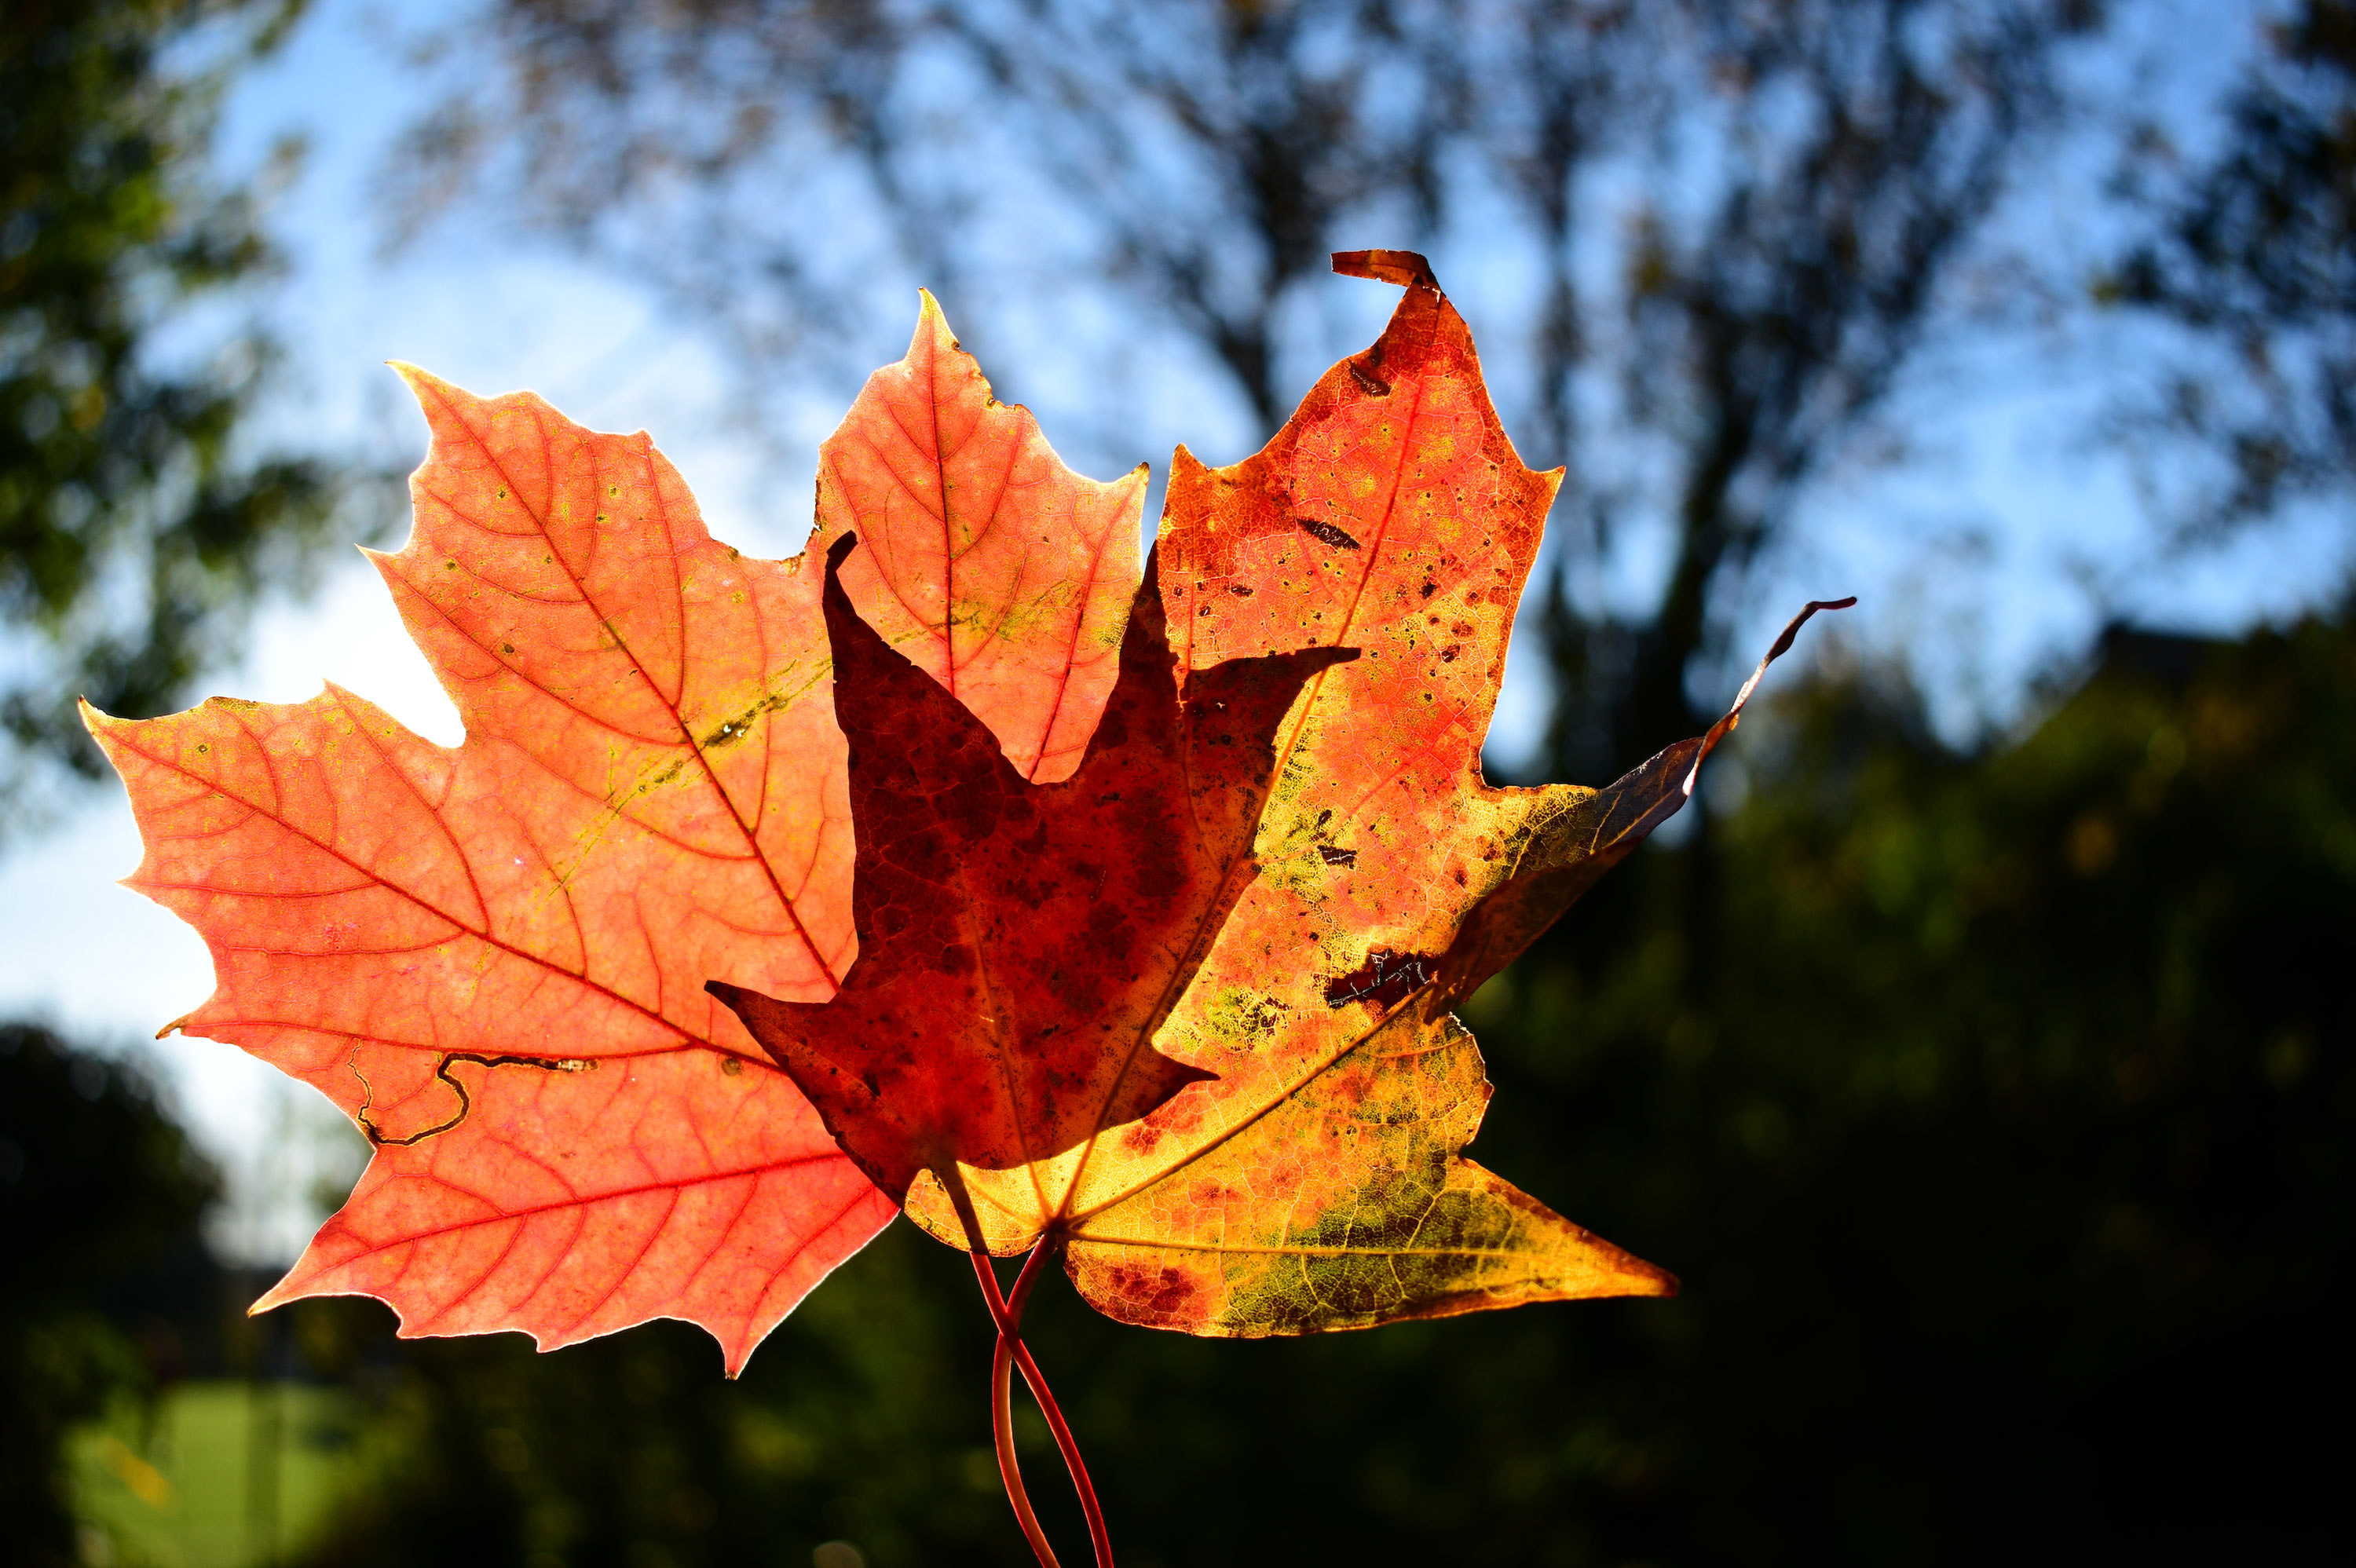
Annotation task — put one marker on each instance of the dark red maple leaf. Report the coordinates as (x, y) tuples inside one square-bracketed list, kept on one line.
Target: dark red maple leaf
[(1019, 944)]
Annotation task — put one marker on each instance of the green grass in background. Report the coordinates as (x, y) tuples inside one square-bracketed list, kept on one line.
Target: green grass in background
[(217, 1474)]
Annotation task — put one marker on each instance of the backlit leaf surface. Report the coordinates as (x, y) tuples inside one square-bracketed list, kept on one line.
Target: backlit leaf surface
[(1162, 891), (1308, 1176), (992, 567), (1021, 942), (493, 955)]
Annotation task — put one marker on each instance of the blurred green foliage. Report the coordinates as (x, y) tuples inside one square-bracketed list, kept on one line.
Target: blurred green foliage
[(99, 1195), (213, 1474), (135, 522), (1996, 1110)]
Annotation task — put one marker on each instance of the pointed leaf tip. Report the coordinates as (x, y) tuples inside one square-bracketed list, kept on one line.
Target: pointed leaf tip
[(416, 378), (989, 563)]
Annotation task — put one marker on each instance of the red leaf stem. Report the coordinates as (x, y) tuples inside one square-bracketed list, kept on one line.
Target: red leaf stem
[(1011, 1352), (1001, 1420)]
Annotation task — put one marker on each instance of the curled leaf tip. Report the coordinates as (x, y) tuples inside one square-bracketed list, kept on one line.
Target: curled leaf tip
[(1720, 731), (1405, 268)]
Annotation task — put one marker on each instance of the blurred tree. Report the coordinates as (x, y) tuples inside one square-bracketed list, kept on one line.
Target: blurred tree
[(2256, 254), (1696, 360), (1215, 149), (697, 141), (792, 148), (2008, 1151), (100, 1196), (134, 525), (1850, 158)]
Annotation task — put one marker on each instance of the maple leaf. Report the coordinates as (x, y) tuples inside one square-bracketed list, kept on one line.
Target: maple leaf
[(1020, 943), (1186, 1016), (492, 955)]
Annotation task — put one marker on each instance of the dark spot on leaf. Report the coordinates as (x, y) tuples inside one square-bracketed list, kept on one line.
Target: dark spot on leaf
[(1239, 590), (1148, 1294), (1374, 386), (731, 1066), (1325, 533), (1334, 857), (1428, 588)]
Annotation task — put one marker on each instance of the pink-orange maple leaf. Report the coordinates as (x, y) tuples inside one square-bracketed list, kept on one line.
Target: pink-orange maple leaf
[(986, 563), (493, 955)]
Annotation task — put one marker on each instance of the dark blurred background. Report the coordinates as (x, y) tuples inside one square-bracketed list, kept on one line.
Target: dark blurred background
[(1983, 1066)]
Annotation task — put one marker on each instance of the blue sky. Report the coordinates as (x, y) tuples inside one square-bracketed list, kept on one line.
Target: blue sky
[(1995, 550)]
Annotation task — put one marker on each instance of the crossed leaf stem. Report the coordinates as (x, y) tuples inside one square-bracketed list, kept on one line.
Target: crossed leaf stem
[(1011, 1352)]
